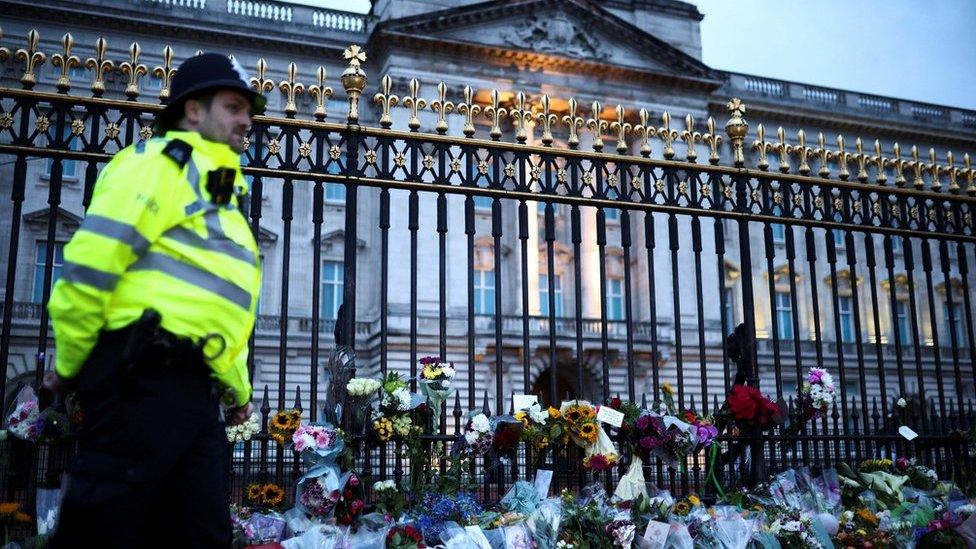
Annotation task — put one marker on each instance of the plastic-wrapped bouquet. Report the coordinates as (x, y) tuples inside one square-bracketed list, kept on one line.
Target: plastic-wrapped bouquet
[(245, 431), (817, 393), (404, 537), (350, 504), (435, 383), (622, 532), (318, 442), (579, 417), (21, 422), (436, 510), (361, 393), (395, 405), (748, 410), (389, 499), (794, 530), (536, 425)]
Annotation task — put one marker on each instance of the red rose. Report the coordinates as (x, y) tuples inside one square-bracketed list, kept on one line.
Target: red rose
[(615, 403), (743, 404), (347, 494)]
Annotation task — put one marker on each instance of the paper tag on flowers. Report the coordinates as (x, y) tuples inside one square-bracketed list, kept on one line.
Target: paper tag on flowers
[(906, 432), (657, 534), (543, 478), (610, 416), (521, 402)]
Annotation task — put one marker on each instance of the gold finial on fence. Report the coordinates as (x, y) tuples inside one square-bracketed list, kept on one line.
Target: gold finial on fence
[(622, 127), (470, 110), (690, 137), (862, 161), (737, 128), (442, 107), (597, 125), (261, 84), (952, 172), (823, 155), (713, 140), (970, 175), (880, 163), (763, 146), (495, 113), (646, 131), (4, 52), (667, 135), (415, 103), (521, 115), (899, 166), (547, 119), (917, 168), (802, 151), (134, 70), (354, 80), (843, 158), (99, 67), (387, 100), (165, 72), (574, 123), (933, 168), (31, 58), (320, 92), (66, 61), (291, 89), (782, 150)]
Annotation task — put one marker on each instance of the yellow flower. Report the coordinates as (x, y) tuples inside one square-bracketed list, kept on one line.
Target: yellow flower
[(667, 389), (8, 509), (431, 372), (588, 432), (554, 413), (253, 492), (693, 499), (541, 443), (867, 516), (682, 508), (524, 418), (272, 494)]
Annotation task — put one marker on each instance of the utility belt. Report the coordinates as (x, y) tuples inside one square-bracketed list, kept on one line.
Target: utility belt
[(150, 349)]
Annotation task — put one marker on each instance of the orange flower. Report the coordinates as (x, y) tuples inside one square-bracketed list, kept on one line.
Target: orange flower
[(272, 494), (23, 518), (554, 413), (9, 509), (253, 492)]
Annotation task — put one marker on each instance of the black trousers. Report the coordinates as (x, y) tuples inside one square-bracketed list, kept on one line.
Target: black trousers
[(151, 469)]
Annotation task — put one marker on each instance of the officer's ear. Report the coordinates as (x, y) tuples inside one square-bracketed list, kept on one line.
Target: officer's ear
[(196, 108)]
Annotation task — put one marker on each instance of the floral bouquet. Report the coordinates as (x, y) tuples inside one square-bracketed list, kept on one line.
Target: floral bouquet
[(361, 393), (318, 443), (350, 504), (817, 393), (478, 435), (404, 537), (622, 532), (268, 495), (435, 383), (389, 499), (748, 410), (245, 431), (580, 421), (435, 510), (794, 530), (538, 425), (319, 490), (283, 424), (22, 420), (395, 405)]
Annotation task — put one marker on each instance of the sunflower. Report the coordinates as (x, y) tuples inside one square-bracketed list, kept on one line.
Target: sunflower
[(282, 421), (253, 492), (272, 494), (682, 508), (693, 499), (9, 509), (588, 431), (524, 418), (554, 413), (573, 415)]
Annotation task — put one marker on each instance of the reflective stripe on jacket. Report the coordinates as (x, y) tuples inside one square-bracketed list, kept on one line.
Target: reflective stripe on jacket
[(152, 239)]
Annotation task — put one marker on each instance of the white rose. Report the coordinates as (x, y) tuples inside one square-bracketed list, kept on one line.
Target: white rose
[(471, 437), (902, 403), (448, 371), (538, 414), (402, 396)]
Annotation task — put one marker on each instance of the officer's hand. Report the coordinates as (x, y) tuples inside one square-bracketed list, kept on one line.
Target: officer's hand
[(54, 383), (239, 415)]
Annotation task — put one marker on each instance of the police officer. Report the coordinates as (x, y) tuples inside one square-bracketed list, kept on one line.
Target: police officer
[(152, 316)]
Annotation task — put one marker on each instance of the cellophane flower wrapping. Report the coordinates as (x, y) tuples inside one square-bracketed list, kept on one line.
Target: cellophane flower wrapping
[(730, 529), (318, 490), (544, 523), (435, 384), (522, 498), (265, 527), (21, 421), (632, 485), (318, 443), (48, 506), (454, 536), (341, 368), (587, 433)]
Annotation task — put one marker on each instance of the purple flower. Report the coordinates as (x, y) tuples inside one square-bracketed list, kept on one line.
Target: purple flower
[(648, 442), (706, 433), (901, 463), (816, 375), (643, 422)]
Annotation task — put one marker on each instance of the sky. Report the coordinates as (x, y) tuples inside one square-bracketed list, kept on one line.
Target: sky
[(923, 50)]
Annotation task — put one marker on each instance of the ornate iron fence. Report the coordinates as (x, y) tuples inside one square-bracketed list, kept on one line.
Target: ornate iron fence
[(654, 256)]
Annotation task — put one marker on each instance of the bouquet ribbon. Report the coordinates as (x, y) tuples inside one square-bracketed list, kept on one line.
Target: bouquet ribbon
[(711, 476)]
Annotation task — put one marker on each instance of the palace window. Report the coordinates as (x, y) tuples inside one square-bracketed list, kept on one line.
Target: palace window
[(484, 292), (39, 263), (544, 295), (333, 273)]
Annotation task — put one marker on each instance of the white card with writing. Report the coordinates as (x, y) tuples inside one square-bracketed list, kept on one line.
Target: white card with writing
[(543, 478), (610, 416), (657, 534), (906, 432), (521, 402)]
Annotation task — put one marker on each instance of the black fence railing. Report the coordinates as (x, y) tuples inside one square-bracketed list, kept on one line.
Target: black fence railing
[(552, 270)]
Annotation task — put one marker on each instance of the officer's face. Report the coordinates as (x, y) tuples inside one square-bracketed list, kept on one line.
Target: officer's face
[(226, 120)]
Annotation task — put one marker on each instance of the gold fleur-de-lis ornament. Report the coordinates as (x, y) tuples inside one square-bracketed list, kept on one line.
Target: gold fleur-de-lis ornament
[(645, 130), (31, 58), (470, 110), (165, 73), (573, 123), (100, 66), (320, 93), (442, 107), (66, 62), (415, 103), (495, 113), (690, 137), (713, 140), (597, 125), (521, 114), (547, 119), (622, 128), (291, 88), (134, 70)]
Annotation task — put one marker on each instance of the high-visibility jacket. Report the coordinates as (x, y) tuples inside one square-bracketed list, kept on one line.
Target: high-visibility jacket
[(152, 238)]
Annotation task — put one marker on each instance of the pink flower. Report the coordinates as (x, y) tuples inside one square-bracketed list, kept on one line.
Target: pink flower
[(816, 375), (354, 480), (901, 463)]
